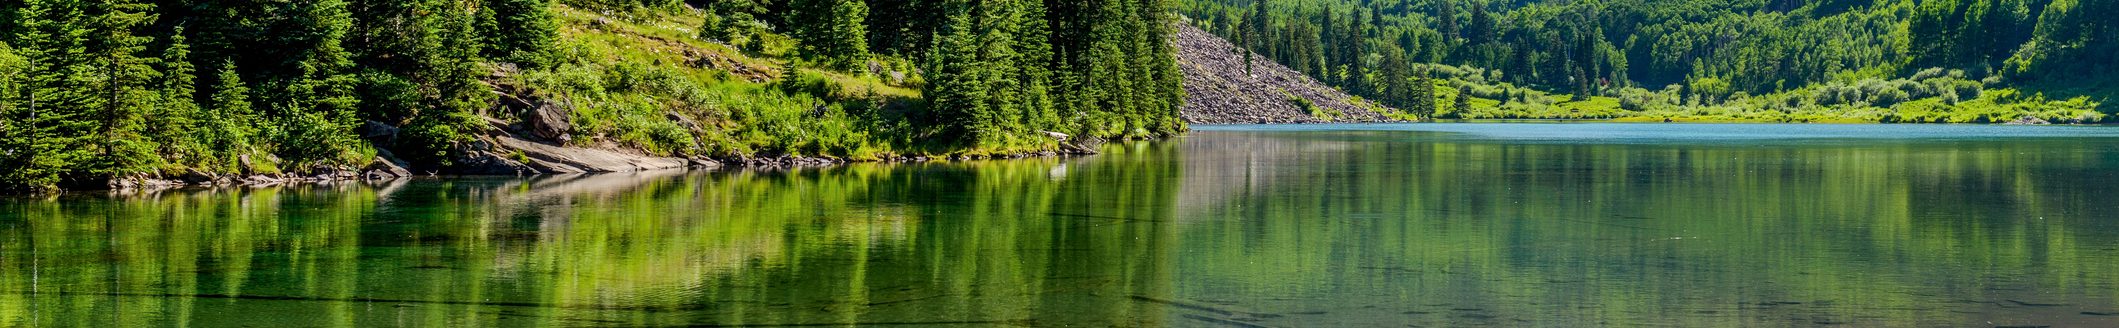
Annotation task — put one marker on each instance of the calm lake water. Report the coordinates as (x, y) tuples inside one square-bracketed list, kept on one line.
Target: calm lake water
[(1231, 226)]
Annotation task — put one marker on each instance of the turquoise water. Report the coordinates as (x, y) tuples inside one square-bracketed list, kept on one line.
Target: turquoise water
[(1577, 224)]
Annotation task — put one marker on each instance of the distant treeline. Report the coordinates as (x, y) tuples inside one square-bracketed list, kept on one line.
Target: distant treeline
[(1711, 52)]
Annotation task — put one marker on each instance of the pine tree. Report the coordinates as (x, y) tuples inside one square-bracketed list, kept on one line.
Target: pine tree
[(1353, 71), (47, 135), (833, 32), (1255, 32), (173, 124), (1446, 19), (125, 88), (1423, 95), (1396, 89), (451, 93), (1164, 82), (520, 31), (233, 129), (970, 75), (1464, 99), (1482, 26), (313, 110), (732, 21), (1328, 47)]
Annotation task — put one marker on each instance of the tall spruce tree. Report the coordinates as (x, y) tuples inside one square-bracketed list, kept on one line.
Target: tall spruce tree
[(1445, 17), (1463, 100), (125, 86), (1422, 94), (233, 131), (832, 32), (517, 31), (173, 123), (1482, 27), (46, 136), (1396, 88), (314, 108)]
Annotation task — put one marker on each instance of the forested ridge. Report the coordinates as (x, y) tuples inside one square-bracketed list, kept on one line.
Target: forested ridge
[(1720, 60), (96, 91)]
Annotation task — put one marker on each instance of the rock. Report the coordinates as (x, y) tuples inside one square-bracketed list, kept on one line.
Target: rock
[(244, 164), (489, 163), (2028, 120), (1219, 91), (260, 179), (498, 157), (550, 121), (386, 155), (195, 176), (786, 162), (705, 163), (384, 169), (377, 131)]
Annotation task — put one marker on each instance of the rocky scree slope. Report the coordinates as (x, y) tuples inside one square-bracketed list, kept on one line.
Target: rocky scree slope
[(1220, 92)]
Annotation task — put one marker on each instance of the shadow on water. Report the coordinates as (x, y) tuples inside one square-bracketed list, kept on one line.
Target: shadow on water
[(1334, 227)]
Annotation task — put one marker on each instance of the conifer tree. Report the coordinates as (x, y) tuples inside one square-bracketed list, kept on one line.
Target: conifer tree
[(517, 31), (233, 130), (1395, 84), (1422, 95), (173, 123), (46, 133), (313, 110), (451, 94), (125, 88), (1482, 25), (1353, 71), (833, 32), (1253, 32), (1463, 100), (1446, 19)]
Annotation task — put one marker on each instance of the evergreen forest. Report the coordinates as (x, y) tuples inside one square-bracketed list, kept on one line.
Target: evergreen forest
[(93, 91), (97, 90), (1888, 61)]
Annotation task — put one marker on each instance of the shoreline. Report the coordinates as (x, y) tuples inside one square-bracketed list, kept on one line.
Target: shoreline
[(381, 173), (385, 169)]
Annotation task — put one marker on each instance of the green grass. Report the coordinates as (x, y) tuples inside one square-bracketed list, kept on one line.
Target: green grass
[(645, 83)]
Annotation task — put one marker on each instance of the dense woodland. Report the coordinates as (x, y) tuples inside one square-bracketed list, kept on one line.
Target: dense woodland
[(95, 90), (92, 90), (1744, 60)]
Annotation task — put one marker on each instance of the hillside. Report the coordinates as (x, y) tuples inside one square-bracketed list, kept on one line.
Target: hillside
[(1887, 61), (1219, 91), (243, 92)]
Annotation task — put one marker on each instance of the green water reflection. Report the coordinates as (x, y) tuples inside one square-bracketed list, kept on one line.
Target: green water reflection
[(1218, 229)]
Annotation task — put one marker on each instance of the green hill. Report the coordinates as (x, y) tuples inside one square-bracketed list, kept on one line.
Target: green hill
[(1722, 60)]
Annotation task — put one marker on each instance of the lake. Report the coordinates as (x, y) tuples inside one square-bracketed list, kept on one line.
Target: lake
[(1427, 225)]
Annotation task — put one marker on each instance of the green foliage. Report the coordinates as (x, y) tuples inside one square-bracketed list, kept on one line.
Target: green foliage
[(234, 130), (173, 123), (517, 31), (832, 32), (626, 6), (1721, 54)]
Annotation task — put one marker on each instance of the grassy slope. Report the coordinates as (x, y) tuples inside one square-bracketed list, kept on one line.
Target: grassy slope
[(646, 84), (1995, 103)]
